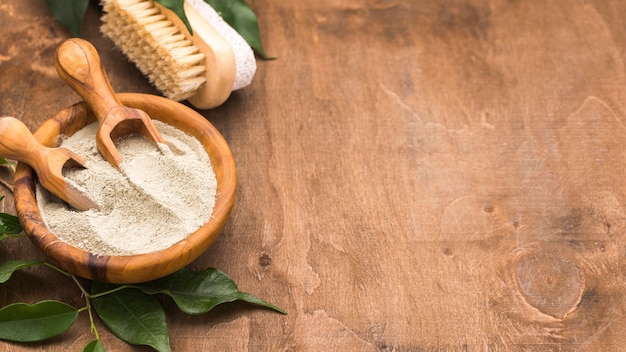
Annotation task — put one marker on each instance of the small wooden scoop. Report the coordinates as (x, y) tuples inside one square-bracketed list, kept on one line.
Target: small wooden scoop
[(78, 64), (17, 143)]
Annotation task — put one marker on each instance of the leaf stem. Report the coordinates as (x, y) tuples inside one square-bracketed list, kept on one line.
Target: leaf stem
[(6, 185), (11, 166), (88, 307), (60, 271), (17, 235), (88, 298), (82, 289), (85, 294), (91, 320), (119, 288)]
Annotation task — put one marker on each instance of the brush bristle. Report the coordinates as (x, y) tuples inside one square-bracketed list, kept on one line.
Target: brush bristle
[(156, 46)]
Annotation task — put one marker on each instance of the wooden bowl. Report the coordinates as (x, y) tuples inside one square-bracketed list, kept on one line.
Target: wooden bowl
[(133, 268)]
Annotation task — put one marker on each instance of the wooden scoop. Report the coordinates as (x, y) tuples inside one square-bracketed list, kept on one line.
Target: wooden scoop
[(78, 64), (17, 143)]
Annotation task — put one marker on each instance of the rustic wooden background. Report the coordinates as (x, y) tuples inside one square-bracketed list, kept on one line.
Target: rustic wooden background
[(414, 176)]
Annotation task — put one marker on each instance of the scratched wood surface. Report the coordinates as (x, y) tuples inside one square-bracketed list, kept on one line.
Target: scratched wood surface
[(414, 176)]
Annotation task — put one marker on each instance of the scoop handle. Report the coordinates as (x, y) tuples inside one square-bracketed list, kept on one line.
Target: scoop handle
[(17, 143), (78, 64)]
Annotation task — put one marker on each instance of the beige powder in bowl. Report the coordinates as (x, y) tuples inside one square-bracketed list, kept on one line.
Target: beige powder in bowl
[(159, 196)]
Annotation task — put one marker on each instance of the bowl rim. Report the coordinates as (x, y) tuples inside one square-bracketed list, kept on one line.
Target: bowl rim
[(131, 268)]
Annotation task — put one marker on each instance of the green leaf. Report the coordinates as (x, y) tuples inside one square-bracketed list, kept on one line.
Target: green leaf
[(94, 346), (69, 13), (177, 6), (4, 161), (133, 316), (197, 292), (8, 268), (240, 16), (27, 323), (9, 225)]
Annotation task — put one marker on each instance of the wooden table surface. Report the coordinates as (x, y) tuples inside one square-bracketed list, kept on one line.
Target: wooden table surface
[(413, 176)]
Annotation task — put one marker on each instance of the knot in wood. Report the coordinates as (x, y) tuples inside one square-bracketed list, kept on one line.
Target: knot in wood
[(550, 282), (265, 260)]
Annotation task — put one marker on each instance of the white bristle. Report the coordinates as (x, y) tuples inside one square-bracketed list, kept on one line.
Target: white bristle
[(175, 41), (157, 47)]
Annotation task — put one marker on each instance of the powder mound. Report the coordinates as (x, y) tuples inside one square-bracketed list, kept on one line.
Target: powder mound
[(160, 195)]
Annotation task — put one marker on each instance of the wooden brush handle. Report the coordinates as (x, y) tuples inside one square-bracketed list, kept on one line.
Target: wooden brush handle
[(78, 64), (17, 143)]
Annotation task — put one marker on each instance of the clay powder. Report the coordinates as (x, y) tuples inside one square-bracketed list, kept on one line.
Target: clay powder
[(159, 196)]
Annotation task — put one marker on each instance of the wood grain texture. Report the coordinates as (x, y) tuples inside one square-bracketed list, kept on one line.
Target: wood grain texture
[(413, 176)]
